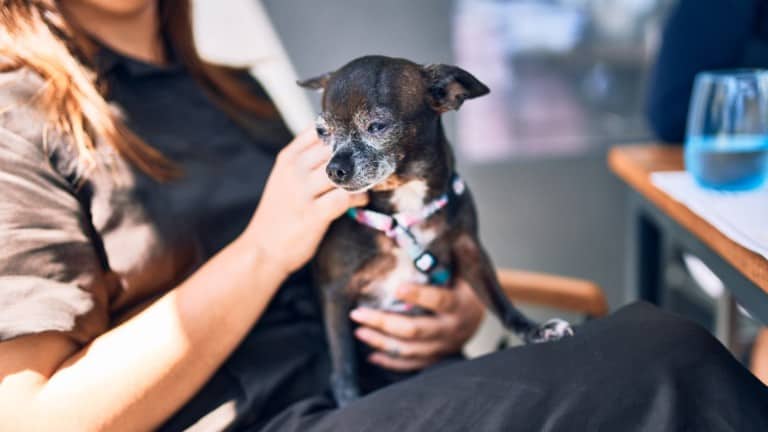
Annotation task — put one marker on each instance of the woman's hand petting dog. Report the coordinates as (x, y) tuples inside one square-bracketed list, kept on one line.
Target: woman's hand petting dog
[(298, 204), (408, 343)]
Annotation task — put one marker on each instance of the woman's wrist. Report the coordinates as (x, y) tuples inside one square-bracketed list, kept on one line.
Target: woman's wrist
[(261, 260)]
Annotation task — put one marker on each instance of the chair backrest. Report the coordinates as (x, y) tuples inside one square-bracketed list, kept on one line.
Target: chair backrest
[(242, 34)]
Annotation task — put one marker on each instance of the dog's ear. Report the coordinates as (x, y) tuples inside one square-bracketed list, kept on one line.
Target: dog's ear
[(316, 83), (448, 87)]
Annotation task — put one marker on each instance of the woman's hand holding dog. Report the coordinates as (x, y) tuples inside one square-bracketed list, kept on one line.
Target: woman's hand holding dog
[(408, 343), (298, 204)]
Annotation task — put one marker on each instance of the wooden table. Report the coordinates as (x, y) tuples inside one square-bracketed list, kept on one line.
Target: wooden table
[(657, 221)]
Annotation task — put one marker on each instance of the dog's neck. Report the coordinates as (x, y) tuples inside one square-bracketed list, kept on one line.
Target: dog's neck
[(421, 180)]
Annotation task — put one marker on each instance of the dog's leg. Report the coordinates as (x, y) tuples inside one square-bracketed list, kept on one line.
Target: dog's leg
[(336, 306), (474, 266)]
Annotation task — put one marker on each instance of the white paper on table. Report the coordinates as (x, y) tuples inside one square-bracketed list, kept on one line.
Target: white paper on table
[(741, 216)]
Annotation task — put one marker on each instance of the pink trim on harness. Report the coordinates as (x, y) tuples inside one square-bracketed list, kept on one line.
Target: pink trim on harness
[(387, 223), (397, 227)]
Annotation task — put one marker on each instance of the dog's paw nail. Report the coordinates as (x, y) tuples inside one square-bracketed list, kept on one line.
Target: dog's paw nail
[(551, 330)]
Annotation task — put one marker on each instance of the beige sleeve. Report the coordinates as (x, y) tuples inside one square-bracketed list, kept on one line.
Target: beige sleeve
[(52, 275)]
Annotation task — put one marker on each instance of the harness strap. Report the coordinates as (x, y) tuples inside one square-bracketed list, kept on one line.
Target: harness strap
[(398, 227)]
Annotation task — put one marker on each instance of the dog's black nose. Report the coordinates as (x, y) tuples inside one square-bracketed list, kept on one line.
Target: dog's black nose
[(340, 168)]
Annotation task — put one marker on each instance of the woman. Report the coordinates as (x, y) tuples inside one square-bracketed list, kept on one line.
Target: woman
[(138, 290)]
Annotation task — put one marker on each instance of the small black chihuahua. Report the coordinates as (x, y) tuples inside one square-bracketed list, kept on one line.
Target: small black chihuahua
[(381, 116)]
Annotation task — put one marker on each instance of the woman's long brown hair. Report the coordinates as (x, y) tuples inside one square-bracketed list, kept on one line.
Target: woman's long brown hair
[(35, 35)]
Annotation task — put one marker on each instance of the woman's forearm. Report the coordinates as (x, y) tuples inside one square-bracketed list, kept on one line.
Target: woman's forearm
[(136, 375)]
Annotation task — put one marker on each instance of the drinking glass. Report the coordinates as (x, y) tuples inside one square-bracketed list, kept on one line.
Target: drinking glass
[(726, 146)]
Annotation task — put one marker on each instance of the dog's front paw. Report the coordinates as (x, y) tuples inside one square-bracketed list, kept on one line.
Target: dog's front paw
[(551, 330)]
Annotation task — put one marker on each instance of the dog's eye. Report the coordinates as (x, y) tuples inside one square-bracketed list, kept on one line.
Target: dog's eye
[(376, 127), (322, 132)]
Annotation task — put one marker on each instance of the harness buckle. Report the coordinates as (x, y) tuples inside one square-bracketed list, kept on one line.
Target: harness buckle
[(458, 185), (425, 262)]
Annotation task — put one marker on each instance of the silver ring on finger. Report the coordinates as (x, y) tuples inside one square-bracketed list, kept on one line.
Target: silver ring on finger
[(393, 351)]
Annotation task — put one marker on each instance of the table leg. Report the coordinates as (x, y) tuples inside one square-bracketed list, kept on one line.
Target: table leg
[(645, 269), (727, 321)]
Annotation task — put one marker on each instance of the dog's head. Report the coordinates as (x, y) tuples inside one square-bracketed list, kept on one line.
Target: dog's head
[(381, 115)]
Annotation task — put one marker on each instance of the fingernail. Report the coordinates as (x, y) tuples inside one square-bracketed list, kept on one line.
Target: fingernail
[(358, 314)]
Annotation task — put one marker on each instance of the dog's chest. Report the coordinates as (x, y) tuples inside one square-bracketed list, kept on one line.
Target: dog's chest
[(380, 291), (395, 262), (409, 199)]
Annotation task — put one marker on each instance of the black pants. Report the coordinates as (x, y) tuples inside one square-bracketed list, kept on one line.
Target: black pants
[(640, 369)]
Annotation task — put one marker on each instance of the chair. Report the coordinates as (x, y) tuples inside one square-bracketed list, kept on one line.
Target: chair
[(563, 293), (759, 358)]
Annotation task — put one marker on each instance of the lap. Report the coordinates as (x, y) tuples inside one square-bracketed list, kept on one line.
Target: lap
[(638, 370)]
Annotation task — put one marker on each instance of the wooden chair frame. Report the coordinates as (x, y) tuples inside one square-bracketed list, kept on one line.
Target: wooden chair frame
[(564, 293)]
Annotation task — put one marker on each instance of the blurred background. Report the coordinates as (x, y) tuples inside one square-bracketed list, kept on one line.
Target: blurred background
[(567, 80)]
